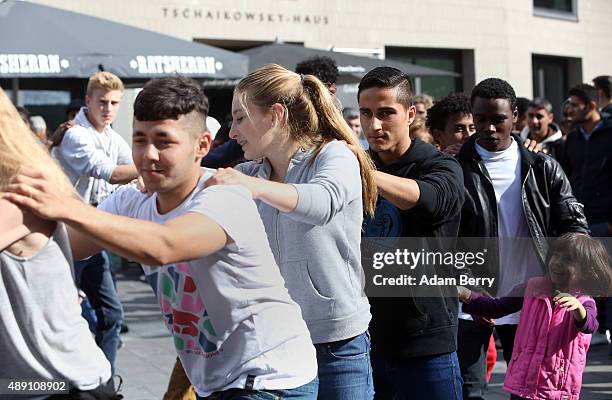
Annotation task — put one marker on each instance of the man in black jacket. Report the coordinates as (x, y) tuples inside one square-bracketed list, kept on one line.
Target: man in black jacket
[(421, 192), (587, 160), (519, 199)]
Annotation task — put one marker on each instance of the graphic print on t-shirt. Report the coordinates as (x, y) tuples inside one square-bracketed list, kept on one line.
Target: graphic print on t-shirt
[(387, 221), (183, 309)]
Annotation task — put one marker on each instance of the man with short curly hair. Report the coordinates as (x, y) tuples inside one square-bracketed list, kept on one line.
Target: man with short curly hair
[(450, 122), (324, 68)]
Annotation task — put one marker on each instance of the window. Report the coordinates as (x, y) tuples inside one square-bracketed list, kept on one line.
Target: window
[(553, 76), (563, 9), (445, 59)]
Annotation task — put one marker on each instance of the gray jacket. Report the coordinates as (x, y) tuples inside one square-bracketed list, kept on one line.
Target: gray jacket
[(317, 246)]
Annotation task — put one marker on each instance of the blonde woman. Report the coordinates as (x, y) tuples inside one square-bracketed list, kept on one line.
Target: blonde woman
[(311, 192), (43, 335)]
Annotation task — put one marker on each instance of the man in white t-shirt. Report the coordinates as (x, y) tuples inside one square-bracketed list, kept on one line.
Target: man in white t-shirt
[(518, 200), (94, 157), (204, 252), (96, 160)]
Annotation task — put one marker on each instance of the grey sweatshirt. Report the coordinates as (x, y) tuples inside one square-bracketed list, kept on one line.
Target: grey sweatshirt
[(317, 245)]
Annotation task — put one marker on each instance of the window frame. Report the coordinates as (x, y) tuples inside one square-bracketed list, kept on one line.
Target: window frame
[(557, 14)]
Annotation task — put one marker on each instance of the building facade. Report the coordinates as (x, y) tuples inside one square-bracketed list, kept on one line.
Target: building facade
[(542, 47)]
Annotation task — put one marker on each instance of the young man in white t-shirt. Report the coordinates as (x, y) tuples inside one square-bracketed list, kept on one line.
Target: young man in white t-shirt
[(204, 251)]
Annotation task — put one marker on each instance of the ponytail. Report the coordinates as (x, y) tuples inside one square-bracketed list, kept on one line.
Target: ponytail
[(331, 125), (311, 118)]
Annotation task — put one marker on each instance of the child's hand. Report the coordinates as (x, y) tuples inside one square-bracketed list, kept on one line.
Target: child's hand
[(567, 301), (464, 294), (570, 303)]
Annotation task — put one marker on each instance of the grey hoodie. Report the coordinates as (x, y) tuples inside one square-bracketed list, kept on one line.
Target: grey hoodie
[(317, 245)]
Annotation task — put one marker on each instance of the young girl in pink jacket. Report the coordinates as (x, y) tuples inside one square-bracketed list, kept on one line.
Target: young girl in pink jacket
[(557, 319)]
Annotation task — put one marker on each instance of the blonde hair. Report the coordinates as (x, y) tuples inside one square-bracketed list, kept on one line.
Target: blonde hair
[(311, 116), (418, 123), (424, 98), (19, 148), (105, 81), (418, 130)]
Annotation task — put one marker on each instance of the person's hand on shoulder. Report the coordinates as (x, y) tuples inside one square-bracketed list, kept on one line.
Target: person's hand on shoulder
[(533, 146), (229, 176), (58, 134), (32, 190), (453, 149)]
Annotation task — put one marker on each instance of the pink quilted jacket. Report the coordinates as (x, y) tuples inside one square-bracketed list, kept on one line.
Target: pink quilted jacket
[(549, 350)]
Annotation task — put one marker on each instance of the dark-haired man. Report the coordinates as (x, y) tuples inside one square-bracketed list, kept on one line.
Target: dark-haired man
[(603, 84), (421, 192), (521, 116), (204, 251), (351, 116), (587, 158), (520, 199), (450, 122), (324, 68), (542, 129)]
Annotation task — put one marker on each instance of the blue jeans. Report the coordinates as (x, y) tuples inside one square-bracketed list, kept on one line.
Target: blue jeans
[(304, 392), (93, 276), (345, 371), (89, 314), (432, 377)]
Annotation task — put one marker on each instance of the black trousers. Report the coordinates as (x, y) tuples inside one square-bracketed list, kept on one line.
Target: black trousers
[(506, 334)]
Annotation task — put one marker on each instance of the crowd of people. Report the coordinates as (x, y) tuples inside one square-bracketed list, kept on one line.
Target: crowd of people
[(251, 241)]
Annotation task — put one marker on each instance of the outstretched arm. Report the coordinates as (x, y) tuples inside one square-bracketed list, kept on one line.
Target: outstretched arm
[(403, 193), (491, 307), (187, 237), (184, 238), (334, 182), (439, 192), (281, 196)]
